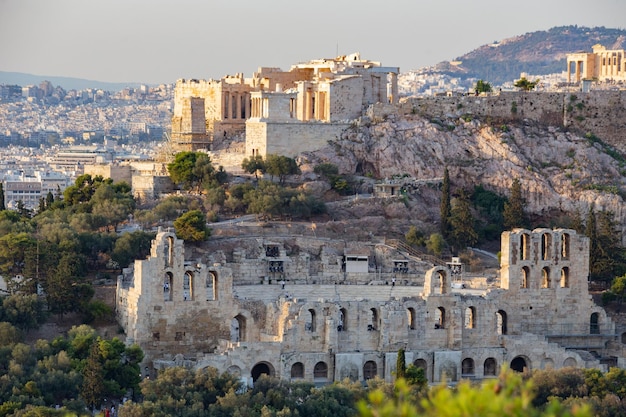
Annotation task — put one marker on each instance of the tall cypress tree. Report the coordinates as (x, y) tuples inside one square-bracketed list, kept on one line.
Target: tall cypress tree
[(445, 207), (463, 223), (2, 206), (400, 365), (93, 374), (513, 213)]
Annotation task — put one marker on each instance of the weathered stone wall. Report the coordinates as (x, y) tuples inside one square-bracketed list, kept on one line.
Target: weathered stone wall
[(289, 139), (353, 331), (600, 112)]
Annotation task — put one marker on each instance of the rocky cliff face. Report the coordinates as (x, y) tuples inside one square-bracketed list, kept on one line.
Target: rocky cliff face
[(558, 170)]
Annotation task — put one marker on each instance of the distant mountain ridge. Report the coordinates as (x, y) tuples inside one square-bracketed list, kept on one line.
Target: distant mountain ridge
[(67, 83), (536, 53)]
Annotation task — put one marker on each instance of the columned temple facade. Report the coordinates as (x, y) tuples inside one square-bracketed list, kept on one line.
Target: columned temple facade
[(602, 64), (313, 100)]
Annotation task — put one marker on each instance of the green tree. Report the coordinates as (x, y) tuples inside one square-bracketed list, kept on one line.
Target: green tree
[(436, 243), (610, 260), (483, 87), (191, 226), (93, 389), (463, 222), (131, 246), (400, 364), (280, 166), (445, 206), (507, 396), (253, 165), (526, 85), (513, 214), (414, 237), (24, 311)]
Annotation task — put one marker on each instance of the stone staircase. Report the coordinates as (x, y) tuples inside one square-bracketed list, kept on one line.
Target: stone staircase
[(414, 252)]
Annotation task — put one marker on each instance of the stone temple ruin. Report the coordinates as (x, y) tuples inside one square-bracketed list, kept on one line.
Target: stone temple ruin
[(345, 310)]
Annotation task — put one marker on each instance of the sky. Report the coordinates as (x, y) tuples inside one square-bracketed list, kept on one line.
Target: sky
[(159, 41)]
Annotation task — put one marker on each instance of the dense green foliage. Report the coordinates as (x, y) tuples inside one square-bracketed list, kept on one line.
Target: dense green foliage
[(74, 371), (191, 226)]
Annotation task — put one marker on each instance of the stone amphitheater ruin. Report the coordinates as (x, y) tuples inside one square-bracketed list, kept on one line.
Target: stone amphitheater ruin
[(322, 310)]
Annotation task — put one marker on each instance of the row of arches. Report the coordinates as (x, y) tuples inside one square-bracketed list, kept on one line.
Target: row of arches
[(546, 278), (546, 246), (188, 287)]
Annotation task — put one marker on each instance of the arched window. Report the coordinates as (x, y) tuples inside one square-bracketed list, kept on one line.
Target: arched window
[(374, 320), (421, 363), (443, 282), (519, 364), (467, 367), (369, 370), (524, 247), (297, 370), (546, 244), (525, 277), (188, 286), (320, 371), (238, 329), (410, 312), (311, 324), (565, 245), (501, 322), (545, 277), (440, 318), (211, 286), (490, 367), (343, 320), (168, 286), (594, 324), (470, 318), (169, 251), (565, 277)]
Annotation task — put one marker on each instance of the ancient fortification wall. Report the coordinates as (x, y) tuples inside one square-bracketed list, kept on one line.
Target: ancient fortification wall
[(599, 112)]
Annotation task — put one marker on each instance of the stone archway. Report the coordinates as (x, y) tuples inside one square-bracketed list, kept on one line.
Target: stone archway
[(261, 368), (520, 364)]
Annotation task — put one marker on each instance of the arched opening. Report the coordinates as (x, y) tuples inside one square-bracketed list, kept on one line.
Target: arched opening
[(443, 281), (519, 364), (320, 371), (343, 320), (410, 312), (297, 370), (501, 325), (188, 286), (238, 329), (546, 244), (169, 251), (168, 286), (470, 317), (369, 370), (421, 363), (565, 245), (545, 277), (524, 247), (234, 370), (490, 367), (525, 277), (569, 362), (467, 367), (565, 277), (261, 368), (311, 324), (374, 320), (440, 318), (594, 323), (211, 286)]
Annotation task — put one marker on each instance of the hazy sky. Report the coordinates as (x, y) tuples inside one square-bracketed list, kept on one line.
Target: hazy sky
[(159, 41)]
